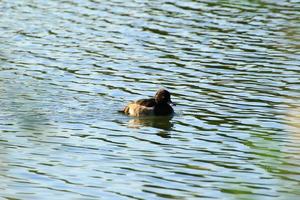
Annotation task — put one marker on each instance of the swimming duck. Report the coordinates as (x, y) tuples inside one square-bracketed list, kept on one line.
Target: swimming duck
[(158, 105)]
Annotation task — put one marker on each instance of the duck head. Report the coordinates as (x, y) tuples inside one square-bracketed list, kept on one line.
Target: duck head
[(162, 96)]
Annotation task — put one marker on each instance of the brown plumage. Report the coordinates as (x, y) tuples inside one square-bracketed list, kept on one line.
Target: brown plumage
[(159, 105)]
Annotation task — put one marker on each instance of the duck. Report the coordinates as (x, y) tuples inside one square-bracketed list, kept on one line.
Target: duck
[(159, 105)]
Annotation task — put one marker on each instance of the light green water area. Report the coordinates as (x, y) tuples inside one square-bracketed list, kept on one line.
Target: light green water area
[(68, 66)]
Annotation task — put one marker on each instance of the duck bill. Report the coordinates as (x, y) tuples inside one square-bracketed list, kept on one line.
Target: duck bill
[(172, 103)]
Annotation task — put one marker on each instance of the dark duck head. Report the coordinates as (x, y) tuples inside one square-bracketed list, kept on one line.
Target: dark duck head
[(162, 96), (162, 100)]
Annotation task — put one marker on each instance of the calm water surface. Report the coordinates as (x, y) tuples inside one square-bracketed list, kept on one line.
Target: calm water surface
[(66, 67)]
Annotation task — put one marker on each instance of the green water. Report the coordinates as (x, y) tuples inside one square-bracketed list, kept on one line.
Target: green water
[(67, 67)]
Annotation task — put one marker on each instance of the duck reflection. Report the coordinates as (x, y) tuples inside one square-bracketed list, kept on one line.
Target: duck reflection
[(163, 123)]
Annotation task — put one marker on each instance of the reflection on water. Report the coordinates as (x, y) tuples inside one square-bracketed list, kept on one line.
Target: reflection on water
[(156, 122), (66, 67), (163, 123)]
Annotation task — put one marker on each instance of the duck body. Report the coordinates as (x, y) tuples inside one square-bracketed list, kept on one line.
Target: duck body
[(157, 106)]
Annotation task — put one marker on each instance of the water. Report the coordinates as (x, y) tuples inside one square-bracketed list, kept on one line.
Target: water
[(67, 67)]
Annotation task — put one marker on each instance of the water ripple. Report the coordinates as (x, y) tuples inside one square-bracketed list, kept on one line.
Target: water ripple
[(67, 67)]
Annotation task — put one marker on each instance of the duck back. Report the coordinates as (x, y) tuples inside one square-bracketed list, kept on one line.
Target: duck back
[(146, 102)]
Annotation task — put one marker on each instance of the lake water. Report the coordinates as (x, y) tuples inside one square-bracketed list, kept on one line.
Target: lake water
[(67, 67)]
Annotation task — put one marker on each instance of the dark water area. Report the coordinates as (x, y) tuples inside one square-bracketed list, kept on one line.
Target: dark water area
[(67, 67)]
